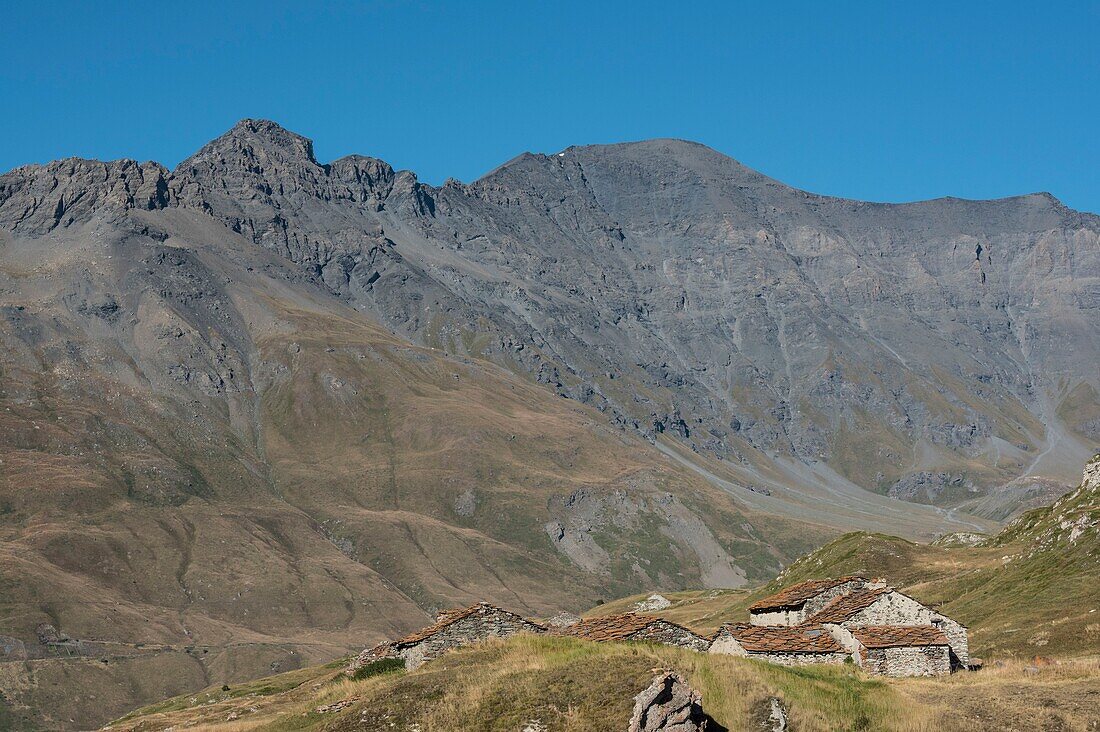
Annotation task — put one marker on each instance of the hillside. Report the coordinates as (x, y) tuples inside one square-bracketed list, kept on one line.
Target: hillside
[(213, 469), (566, 684)]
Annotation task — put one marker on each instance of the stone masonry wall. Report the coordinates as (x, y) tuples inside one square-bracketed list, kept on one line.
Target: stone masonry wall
[(893, 608), (907, 661), (464, 632), (799, 659), (816, 603), (957, 636), (727, 645), (776, 617)]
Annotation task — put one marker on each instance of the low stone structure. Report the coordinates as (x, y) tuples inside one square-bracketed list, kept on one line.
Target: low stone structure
[(651, 603), (634, 627), (452, 629), (668, 705), (789, 646), (896, 650)]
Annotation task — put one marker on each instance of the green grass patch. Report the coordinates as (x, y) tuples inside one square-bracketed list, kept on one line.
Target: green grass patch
[(379, 667)]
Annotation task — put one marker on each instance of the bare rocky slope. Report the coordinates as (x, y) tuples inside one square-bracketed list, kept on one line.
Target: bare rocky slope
[(260, 411), (929, 351)]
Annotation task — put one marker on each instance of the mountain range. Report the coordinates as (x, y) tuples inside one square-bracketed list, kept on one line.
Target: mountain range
[(259, 410)]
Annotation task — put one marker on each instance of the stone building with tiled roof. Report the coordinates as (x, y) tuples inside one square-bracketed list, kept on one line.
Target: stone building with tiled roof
[(452, 629), (793, 605), (634, 627), (787, 645), (899, 650), (881, 629), (885, 606)]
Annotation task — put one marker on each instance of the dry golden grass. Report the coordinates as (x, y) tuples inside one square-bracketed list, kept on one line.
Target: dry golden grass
[(1014, 695)]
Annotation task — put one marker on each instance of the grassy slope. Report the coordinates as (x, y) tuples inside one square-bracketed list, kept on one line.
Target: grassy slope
[(569, 685)]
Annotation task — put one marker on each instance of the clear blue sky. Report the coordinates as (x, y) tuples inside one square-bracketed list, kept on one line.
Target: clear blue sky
[(875, 100)]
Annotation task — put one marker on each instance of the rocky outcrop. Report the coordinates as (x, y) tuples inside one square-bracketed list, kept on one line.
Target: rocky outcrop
[(36, 199), (669, 705)]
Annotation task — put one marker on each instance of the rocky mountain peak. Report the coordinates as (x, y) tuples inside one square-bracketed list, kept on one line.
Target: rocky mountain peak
[(258, 140)]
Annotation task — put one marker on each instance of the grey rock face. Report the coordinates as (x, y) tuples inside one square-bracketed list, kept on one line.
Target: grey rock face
[(691, 298), (686, 296), (668, 705), (36, 199)]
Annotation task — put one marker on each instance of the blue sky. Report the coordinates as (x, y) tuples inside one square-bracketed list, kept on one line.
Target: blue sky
[(875, 100)]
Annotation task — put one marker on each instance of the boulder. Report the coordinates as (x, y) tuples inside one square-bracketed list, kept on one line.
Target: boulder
[(669, 705)]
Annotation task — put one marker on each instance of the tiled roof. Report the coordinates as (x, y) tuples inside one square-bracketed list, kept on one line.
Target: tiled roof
[(447, 617), (796, 595), (893, 636), (808, 638), (613, 627), (844, 607)]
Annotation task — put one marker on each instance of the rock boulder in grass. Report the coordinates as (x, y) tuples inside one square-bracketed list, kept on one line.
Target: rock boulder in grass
[(669, 705), (769, 715)]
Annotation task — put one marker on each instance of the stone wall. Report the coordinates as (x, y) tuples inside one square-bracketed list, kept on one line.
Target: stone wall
[(892, 608), (799, 659), (776, 617), (957, 636), (671, 634), (494, 624), (818, 602), (726, 644), (907, 661)]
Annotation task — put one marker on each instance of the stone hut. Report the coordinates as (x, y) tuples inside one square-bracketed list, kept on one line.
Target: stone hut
[(452, 629), (790, 646), (900, 650), (881, 629), (634, 627), (793, 605), (885, 606)]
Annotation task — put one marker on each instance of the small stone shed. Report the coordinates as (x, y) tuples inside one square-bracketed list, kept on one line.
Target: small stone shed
[(902, 650), (789, 646), (793, 605), (634, 627), (452, 629), (885, 606)]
